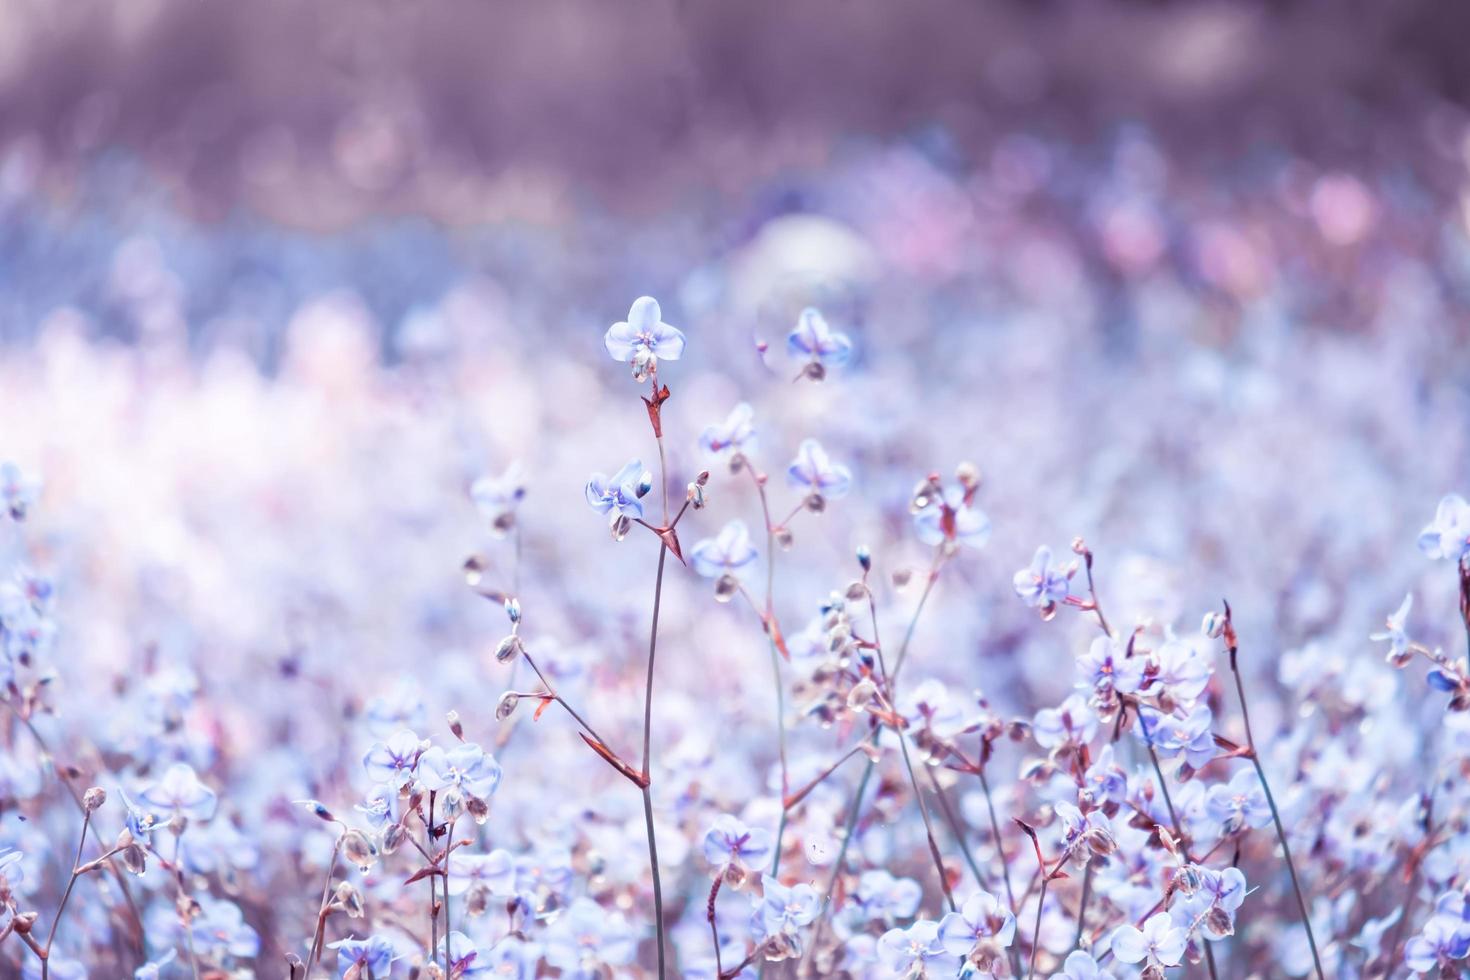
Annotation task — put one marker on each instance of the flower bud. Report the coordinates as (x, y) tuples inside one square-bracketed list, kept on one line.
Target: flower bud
[(474, 570), (24, 922), (621, 527), (865, 558), (968, 475), (348, 899), (1219, 922), (784, 538), (509, 649), (513, 610), (357, 848), (478, 810), (1213, 625), (94, 798), (856, 591), (454, 725), (507, 705), (815, 503), (645, 484), (725, 588), (816, 372)]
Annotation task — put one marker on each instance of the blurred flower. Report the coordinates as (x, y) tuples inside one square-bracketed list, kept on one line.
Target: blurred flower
[(1448, 535), (786, 908), (731, 844), (734, 436), (953, 518), (1239, 804), (179, 793), (915, 951), (497, 497), (1394, 633), (728, 553), (18, 493), (814, 473), (372, 956), (1041, 585), (813, 340)]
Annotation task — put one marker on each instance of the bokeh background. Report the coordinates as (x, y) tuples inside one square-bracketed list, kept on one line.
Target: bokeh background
[(279, 280)]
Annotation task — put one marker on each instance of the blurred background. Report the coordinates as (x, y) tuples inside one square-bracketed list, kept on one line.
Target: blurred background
[(280, 280)]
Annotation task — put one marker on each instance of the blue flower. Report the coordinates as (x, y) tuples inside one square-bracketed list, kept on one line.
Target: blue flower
[(953, 518), (731, 844), (1160, 943), (1104, 668), (814, 472), (465, 961), (18, 492), (465, 767), (179, 793), (619, 496), (643, 338), (153, 969), (785, 909), (884, 898), (1443, 940), (728, 553), (1240, 803), (393, 761), (495, 872), (1042, 586), (1394, 632), (916, 951), (512, 958), (1073, 721), (1448, 535), (497, 497), (1188, 733), (981, 919), (813, 340), (586, 937), (1081, 966), (372, 956), (735, 435)]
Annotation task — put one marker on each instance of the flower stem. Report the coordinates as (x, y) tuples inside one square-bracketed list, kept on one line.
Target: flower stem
[(658, 894), (70, 884), (1250, 742), (903, 744)]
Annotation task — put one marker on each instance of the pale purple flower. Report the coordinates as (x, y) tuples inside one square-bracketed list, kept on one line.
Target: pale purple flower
[(644, 335), (814, 340), (18, 492), (786, 908), (1184, 669), (1189, 733), (1159, 943), (495, 872), (916, 951), (981, 918), (734, 435), (1073, 721), (1042, 585), (731, 844), (884, 898), (619, 495), (466, 767), (728, 553), (953, 518), (393, 761), (465, 961), (585, 938), (497, 497), (372, 956), (813, 472), (1394, 631), (1240, 803), (1442, 941), (179, 793), (1081, 966), (1106, 668), (512, 958), (1448, 535)]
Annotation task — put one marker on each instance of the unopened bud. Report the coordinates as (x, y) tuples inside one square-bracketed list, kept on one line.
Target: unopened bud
[(455, 726), (856, 591), (725, 588), (815, 503), (784, 538), (865, 558), (621, 527), (1213, 625), (509, 649), (968, 475), (359, 849), (1219, 922), (295, 969), (513, 610), (24, 922), (94, 798), (816, 372), (348, 899), (506, 706)]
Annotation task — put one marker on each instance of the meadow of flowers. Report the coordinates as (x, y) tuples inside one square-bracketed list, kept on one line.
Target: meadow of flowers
[(1050, 568)]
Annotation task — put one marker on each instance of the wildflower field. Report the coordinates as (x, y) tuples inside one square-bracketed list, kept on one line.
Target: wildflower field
[(1031, 552)]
